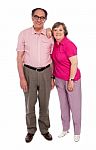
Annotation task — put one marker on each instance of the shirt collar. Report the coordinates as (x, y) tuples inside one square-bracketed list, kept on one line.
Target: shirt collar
[(42, 32), (62, 41)]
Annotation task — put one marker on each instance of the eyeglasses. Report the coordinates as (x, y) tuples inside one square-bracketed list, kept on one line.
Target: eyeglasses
[(37, 17)]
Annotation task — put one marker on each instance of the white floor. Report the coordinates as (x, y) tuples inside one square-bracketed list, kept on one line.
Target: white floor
[(13, 126)]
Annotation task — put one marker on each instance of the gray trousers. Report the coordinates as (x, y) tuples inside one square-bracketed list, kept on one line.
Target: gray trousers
[(39, 87)]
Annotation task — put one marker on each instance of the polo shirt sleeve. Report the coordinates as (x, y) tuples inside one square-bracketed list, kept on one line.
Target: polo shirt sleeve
[(21, 42), (71, 49)]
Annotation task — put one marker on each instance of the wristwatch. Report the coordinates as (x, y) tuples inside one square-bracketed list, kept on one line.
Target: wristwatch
[(52, 77), (71, 79)]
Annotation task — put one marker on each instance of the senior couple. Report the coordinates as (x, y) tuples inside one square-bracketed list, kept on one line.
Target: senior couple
[(46, 58)]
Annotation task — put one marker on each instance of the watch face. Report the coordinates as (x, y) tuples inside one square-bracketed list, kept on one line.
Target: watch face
[(71, 79)]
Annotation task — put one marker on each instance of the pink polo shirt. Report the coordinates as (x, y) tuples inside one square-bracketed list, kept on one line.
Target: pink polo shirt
[(37, 47), (60, 55)]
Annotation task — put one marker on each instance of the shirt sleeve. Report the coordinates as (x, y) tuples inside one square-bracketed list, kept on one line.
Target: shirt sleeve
[(21, 42), (71, 49)]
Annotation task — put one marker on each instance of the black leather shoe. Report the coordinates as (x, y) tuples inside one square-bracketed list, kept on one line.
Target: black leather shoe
[(47, 136), (29, 137)]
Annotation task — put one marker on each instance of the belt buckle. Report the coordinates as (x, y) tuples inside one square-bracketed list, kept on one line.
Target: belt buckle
[(37, 69)]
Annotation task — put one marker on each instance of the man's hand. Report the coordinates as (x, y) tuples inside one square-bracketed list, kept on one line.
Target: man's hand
[(48, 32), (23, 85)]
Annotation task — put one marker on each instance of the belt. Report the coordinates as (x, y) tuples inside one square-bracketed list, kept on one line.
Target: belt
[(37, 69)]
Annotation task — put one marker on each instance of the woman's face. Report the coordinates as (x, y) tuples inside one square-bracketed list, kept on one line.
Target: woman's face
[(58, 33)]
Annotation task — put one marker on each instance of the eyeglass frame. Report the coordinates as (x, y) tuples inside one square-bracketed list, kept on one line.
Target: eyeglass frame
[(42, 18)]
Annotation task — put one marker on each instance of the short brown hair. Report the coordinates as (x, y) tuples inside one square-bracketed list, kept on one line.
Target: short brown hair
[(57, 24)]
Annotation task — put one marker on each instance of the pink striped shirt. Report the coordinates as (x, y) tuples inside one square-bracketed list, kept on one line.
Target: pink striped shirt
[(36, 46)]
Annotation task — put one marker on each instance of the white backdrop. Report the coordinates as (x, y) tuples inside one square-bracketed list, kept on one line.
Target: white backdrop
[(79, 17)]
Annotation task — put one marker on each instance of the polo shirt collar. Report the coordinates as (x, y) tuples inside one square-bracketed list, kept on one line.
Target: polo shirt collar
[(42, 32), (62, 41)]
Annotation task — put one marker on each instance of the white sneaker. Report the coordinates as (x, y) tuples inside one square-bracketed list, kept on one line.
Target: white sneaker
[(76, 138), (63, 133)]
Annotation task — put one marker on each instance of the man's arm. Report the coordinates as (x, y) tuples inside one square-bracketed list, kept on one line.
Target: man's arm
[(23, 82)]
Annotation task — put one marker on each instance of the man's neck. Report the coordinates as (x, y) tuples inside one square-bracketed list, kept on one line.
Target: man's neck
[(37, 29)]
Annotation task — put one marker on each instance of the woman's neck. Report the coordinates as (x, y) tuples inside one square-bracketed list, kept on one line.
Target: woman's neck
[(59, 40)]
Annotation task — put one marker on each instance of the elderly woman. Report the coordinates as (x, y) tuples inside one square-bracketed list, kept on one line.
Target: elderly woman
[(67, 79)]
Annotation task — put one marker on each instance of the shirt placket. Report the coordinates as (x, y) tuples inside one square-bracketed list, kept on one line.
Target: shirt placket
[(38, 48)]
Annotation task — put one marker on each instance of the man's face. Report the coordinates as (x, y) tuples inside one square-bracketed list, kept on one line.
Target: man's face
[(38, 19)]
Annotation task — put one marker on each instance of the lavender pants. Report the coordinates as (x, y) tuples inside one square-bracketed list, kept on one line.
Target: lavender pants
[(70, 101)]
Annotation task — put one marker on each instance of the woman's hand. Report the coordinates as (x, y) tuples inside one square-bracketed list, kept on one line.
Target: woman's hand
[(70, 85)]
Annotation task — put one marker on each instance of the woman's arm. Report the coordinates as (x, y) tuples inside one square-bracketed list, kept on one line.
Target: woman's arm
[(74, 65), (73, 70)]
